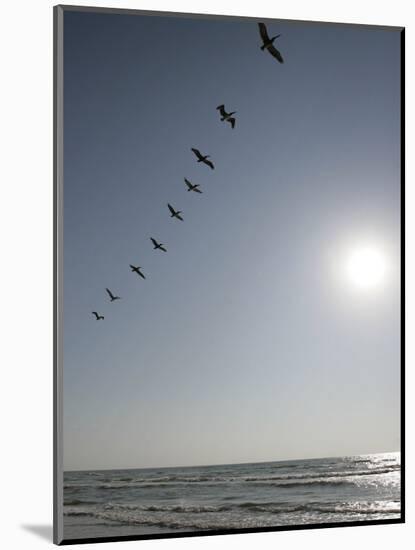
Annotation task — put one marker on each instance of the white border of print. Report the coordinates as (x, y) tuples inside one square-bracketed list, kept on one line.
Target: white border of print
[(26, 231)]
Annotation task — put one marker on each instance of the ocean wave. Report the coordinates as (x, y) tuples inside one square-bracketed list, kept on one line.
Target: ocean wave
[(79, 513), (77, 502), (311, 483), (362, 507), (365, 507), (77, 486), (345, 476), (242, 515), (177, 508)]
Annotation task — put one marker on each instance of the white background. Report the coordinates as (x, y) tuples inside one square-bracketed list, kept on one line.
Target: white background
[(26, 269)]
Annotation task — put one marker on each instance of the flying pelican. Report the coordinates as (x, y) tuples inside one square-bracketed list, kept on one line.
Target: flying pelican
[(137, 270), (157, 245), (226, 116), (111, 295), (97, 317), (175, 213), (203, 158), (192, 187), (268, 43)]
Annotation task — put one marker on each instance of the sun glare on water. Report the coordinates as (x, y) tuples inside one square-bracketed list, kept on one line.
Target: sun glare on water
[(366, 267)]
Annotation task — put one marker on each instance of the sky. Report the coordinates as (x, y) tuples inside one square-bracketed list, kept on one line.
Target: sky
[(246, 342)]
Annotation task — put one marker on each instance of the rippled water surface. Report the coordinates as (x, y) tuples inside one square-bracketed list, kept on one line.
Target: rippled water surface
[(267, 494)]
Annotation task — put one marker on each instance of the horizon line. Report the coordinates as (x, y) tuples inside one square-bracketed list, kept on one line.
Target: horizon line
[(230, 463)]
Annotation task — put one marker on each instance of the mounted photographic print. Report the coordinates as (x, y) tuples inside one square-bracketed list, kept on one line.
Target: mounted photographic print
[(228, 274)]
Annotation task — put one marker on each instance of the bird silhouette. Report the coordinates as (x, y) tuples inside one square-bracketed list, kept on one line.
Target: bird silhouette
[(136, 269), (192, 187), (159, 246), (111, 295), (226, 116), (97, 317), (175, 213), (203, 158), (268, 43)]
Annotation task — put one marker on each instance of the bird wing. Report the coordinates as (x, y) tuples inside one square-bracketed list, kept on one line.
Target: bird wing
[(95, 313), (222, 110), (141, 274), (196, 190), (179, 217), (154, 241), (111, 295), (187, 182), (133, 267), (197, 153), (162, 248), (232, 121), (263, 32), (274, 52), (209, 163), (172, 210)]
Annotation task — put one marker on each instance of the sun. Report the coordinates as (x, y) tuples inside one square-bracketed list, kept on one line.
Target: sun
[(365, 267)]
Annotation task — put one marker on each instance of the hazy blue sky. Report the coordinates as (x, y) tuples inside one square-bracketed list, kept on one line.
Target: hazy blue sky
[(245, 343)]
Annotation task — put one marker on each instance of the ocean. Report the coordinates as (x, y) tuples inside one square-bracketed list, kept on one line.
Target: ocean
[(106, 503)]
